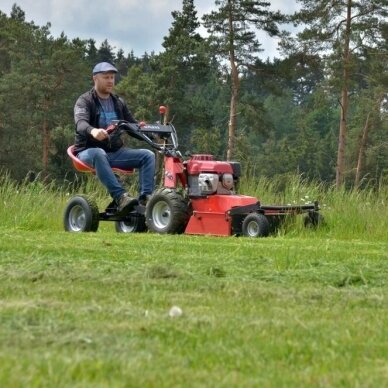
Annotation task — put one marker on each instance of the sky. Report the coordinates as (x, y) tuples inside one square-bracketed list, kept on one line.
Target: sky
[(131, 25)]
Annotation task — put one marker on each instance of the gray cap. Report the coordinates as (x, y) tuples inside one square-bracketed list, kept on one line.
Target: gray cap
[(104, 67)]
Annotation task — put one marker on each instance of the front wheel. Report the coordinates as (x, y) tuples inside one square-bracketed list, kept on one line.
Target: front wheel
[(167, 212), (81, 215), (255, 225), (133, 224)]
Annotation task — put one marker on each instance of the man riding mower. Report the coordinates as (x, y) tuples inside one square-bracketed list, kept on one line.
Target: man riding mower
[(198, 196)]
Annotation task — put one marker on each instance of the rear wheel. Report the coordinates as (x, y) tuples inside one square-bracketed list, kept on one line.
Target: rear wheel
[(313, 219), (81, 215), (255, 225), (134, 224), (167, 212)]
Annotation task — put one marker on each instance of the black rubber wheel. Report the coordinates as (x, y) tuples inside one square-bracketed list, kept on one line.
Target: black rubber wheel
[(81, 215), (313, 219), (255, 225), (167, 212), (133, 224)]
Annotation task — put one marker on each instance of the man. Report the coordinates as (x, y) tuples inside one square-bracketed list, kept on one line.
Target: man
[(93, 112)]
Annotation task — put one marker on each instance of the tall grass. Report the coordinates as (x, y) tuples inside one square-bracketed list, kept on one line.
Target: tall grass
[(304, 309), (27, 205), (349, 214), (37, 205)]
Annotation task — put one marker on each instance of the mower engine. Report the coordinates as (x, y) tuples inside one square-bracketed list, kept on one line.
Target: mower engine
[(207, 177)]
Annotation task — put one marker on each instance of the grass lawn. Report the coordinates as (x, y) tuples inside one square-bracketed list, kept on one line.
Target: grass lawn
[(92, 310)]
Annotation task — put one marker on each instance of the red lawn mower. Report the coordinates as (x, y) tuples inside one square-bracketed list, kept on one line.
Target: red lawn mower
[(198, 196)]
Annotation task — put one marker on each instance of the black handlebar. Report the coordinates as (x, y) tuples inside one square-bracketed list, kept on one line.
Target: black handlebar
[(145, 134)]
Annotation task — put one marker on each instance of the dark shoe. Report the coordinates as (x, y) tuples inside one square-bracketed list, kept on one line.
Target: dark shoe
[(143, 199), (126, 203)]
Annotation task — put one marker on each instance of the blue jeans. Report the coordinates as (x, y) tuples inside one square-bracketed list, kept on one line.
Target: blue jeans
[(124, 158)]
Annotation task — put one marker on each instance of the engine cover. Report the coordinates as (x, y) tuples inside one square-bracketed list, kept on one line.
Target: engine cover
[(208, 183), (207, 176), (198, 166)]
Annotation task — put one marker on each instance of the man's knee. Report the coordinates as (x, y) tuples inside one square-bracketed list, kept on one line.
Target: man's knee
[(99, 154), (149, 156)]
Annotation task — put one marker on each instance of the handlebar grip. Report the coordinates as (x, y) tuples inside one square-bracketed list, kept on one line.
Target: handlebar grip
[(111, 128)]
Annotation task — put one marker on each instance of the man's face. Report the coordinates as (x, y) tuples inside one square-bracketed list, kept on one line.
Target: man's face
[(104, 82)]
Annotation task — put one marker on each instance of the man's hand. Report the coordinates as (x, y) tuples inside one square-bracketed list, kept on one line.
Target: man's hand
[(99, 133)]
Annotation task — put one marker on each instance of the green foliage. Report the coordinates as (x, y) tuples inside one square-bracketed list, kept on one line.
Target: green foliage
[(190, 97), (61, 139), (344, 35), (206, 142), (235, 22), (233, 39), (287, 112), (34, 92), (138, 89)]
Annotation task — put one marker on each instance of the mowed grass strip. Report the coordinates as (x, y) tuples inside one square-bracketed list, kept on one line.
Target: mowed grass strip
[(93, 310)]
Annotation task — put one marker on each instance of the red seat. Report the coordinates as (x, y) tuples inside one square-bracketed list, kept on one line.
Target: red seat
[(83, 167)]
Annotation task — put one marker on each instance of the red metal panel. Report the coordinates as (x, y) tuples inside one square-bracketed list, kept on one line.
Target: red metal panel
[(221, 203), (210, 214), (173, 172), (209, 223)]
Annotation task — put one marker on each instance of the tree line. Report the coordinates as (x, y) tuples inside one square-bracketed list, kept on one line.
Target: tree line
[(319, 110)]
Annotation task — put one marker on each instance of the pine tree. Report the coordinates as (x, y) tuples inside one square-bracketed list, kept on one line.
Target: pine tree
[(233, 28), (36, 93), (105, 53), (339, 30), (185, 72)]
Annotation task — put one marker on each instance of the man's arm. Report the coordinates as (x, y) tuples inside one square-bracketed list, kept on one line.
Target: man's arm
[(82, 121)]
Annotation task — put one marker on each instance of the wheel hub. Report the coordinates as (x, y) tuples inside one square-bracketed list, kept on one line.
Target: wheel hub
[(77, 218), (253, 229), (161, 214)]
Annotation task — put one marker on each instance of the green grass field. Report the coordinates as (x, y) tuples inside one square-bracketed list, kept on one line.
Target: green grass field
[(302, 308)]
